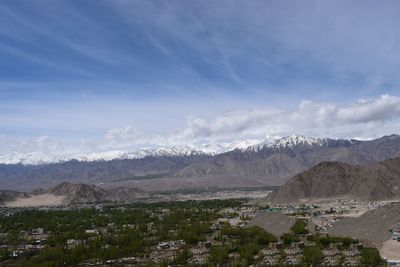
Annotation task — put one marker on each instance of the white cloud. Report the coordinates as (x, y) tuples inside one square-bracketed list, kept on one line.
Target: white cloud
[(365, 118), (129, 138), (44, 144), (118, 135), (309, 117), (380, 109)]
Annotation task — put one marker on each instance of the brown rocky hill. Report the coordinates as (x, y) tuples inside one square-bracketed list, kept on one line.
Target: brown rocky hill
[(78, 193), (9, 195), (377, 181)]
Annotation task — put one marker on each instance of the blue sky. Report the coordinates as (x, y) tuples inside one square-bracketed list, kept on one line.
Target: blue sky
[(76, 71)]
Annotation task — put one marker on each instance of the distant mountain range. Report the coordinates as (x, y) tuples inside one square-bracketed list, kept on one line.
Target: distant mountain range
[(271, 161), (38, 158), (332, 180)]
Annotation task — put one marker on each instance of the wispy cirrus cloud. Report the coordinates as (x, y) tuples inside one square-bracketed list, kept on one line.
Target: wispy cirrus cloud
[(180, 72), (238, 45)]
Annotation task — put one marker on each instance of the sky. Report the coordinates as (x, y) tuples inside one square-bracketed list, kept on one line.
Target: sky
[(81, 76)]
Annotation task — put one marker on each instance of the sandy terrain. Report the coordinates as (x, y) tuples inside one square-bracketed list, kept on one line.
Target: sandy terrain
[(35, 201), (275, 223), (256, 194), (355, 214), (166, 184), (373, 226), (390, 250)]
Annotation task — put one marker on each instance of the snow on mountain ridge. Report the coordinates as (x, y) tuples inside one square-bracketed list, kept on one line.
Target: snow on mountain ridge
[(37, 158), (213, 148), (294, 140), (33, 158), (290, 141)]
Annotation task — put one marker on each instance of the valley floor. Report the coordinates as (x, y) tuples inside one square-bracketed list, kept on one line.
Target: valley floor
[(49, 199), (390, 250), (36, 201), (180, 233)]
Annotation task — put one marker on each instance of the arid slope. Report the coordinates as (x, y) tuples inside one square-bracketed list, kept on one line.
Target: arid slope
[(379, 181)]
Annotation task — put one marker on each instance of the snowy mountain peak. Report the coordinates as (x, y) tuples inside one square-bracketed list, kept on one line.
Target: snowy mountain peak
[(268, 141), (33, 158), (213, 148), (295, 140), (289, 142), (138, 154), (38, 158)]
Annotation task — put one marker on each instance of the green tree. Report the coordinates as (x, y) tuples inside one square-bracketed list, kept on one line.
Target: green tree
[(182, 257), (312, 256), (289, 238), (371, 257), (4, 254), (299, 227), (219, 254)]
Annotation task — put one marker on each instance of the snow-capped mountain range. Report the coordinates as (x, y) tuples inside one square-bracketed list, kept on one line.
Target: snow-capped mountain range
[(36, 158)]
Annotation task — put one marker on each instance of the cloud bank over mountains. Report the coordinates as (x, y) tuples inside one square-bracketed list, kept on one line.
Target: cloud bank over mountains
[(88, 76), (363, 119)]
